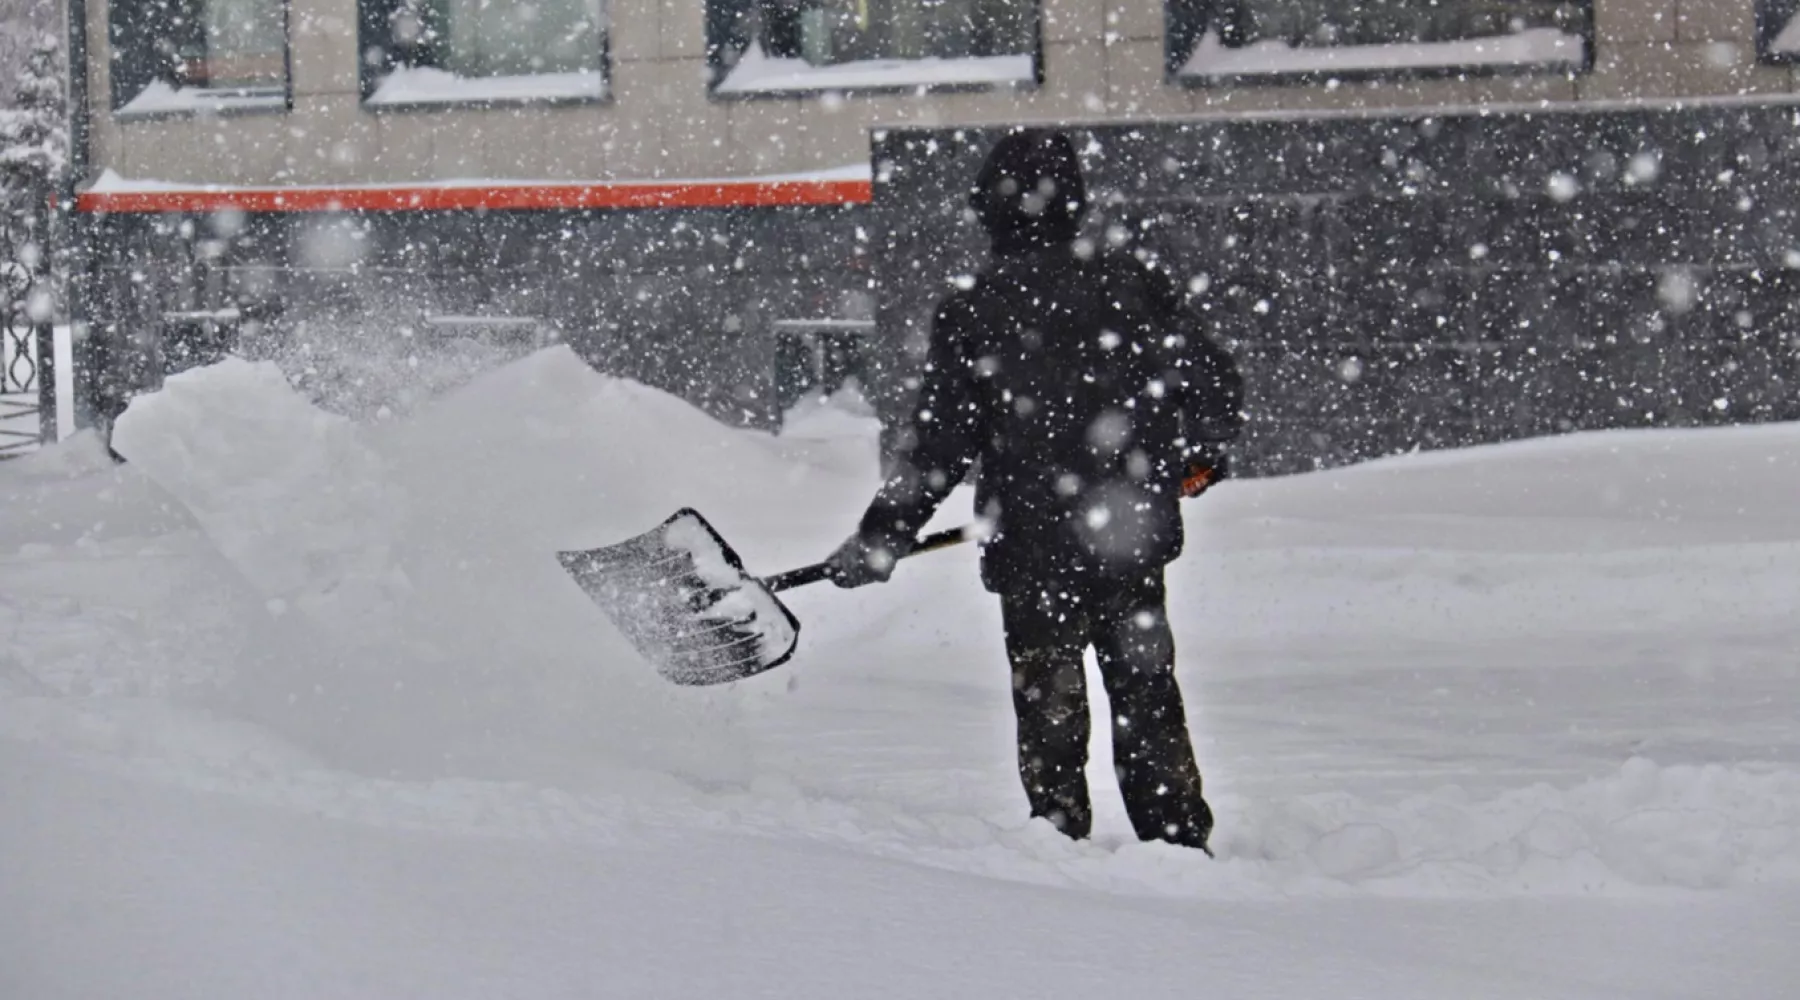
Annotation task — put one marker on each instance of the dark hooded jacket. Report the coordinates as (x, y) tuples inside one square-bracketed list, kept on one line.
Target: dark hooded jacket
[(1077, 379)]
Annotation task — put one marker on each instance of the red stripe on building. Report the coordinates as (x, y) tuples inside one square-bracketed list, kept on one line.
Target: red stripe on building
[(677, 194)]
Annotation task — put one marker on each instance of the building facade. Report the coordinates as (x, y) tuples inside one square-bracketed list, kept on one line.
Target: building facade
[(331, 92), (682, 189)]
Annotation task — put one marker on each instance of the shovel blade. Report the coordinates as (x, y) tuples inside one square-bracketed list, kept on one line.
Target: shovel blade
[(681, 596)]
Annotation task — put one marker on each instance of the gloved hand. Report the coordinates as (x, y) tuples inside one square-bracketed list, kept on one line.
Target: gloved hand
[(1203, 471), (863, 559)]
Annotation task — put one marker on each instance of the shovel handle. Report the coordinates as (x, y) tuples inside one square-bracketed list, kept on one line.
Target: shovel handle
[(821, 571)]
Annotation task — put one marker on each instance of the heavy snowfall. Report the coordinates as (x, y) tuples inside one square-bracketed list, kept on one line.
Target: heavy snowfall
[(342, 342), (292, 706)]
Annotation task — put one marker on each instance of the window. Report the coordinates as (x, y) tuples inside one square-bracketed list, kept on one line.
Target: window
[(483, 51), (1778, 30), (1239, 40), (812, 46), (174, 56)]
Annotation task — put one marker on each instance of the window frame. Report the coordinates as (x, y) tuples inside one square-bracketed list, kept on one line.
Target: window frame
[(720, 17), (1184, 21), (137, 58), (371, 16)]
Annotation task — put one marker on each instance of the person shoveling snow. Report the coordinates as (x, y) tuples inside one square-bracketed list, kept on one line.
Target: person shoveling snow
[(1094, 403), (1089, 396)]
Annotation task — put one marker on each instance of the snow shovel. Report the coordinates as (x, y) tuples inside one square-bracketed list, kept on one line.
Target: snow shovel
[(683, 598)]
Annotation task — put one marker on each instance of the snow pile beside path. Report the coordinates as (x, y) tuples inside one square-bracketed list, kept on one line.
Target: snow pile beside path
[(407, 652), (1694, 826), (1645, 827), (71, 493), (440, 636), (1582, 492), (547, 454), (374, 374), (291, 495), (80, 454), (845, 414)]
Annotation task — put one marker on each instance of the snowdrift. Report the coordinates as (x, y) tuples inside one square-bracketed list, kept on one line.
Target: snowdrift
[(418, 624), (1554, 666)]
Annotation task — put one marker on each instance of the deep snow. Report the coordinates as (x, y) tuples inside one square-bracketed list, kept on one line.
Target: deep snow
[(293, 705)]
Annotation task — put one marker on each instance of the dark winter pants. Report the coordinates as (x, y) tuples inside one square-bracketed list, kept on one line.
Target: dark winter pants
[(1047, 634)]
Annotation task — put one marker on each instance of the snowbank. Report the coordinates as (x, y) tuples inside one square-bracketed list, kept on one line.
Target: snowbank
[(1577, 492), (1700, 827), (291, 495), (843, 415), (419, 623), (1436, 675)]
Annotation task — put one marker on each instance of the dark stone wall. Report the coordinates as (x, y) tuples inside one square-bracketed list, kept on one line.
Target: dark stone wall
[(1425, 281)]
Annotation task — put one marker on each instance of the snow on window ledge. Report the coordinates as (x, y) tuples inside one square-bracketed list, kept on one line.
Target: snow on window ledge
[(1271, 57), (759, 73), (426, 85), (1787, 41), (159, 98)]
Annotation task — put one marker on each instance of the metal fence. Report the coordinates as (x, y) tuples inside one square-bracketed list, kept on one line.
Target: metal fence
[(27, 309)]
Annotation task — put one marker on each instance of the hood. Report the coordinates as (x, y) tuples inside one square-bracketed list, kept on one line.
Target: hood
[(1029, 193)]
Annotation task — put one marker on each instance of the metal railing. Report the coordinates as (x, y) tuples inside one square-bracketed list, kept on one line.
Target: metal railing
[(27, 343)]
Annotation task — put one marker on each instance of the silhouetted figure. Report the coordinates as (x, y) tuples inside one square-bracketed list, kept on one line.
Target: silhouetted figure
[(1084, 388)]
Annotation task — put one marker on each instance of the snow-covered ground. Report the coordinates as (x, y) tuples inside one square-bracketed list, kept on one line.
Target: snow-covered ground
[(292, 706)]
